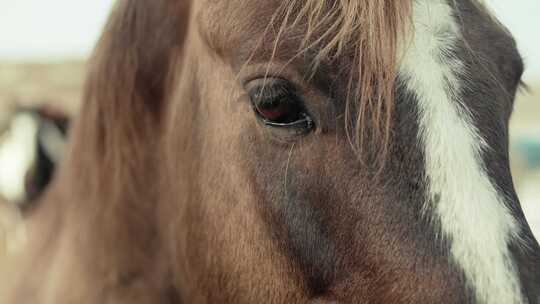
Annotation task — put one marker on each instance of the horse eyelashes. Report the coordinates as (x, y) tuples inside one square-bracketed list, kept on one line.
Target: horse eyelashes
[(271, 91), (279, 108), (277, 103)]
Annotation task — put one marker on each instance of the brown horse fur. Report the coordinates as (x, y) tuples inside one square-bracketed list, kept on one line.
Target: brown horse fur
[(173, 193)]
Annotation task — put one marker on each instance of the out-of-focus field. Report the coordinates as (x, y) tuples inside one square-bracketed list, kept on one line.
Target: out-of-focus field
[(35, 84), (60, 85), (525, 152), (29, 85)]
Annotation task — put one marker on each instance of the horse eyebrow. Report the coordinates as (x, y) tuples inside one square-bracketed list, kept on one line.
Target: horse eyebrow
[(323, 76)]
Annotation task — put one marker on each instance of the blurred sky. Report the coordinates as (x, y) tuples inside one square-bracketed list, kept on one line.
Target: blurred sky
[(45, 30), (50, 30)]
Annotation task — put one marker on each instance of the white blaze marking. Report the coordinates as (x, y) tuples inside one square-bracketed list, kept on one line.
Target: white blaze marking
[(472, 214)]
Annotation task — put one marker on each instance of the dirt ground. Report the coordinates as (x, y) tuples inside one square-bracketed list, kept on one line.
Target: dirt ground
[(60, 85)]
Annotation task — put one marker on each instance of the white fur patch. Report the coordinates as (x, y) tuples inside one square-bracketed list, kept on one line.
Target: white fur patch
[(472, 214), (17, 153)]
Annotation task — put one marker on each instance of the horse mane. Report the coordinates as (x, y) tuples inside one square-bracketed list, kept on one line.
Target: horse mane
[(126, 93), (112, 168), (372, 29)]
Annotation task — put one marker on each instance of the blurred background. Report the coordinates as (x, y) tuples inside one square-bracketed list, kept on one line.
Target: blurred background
[(44, 46)]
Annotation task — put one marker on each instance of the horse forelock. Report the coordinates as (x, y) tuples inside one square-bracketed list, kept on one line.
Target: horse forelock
[(368, 34)]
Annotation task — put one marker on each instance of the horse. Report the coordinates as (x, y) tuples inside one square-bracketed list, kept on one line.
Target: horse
[(302, 151), (30, 148)]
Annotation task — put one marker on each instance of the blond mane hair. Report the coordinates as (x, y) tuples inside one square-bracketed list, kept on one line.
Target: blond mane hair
[(367, 31)]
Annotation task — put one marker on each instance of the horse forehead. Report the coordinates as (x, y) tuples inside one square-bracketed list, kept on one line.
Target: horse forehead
[(213, 11), (491, 41), (234, 18), (236, 28)]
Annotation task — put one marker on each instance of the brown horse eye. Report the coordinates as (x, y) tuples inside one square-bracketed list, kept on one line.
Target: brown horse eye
[(277, 105)]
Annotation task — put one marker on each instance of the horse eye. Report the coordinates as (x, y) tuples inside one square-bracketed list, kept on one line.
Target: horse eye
[(277, 105)]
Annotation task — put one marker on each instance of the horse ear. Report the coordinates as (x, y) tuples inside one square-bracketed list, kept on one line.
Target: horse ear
[(128, 84)]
